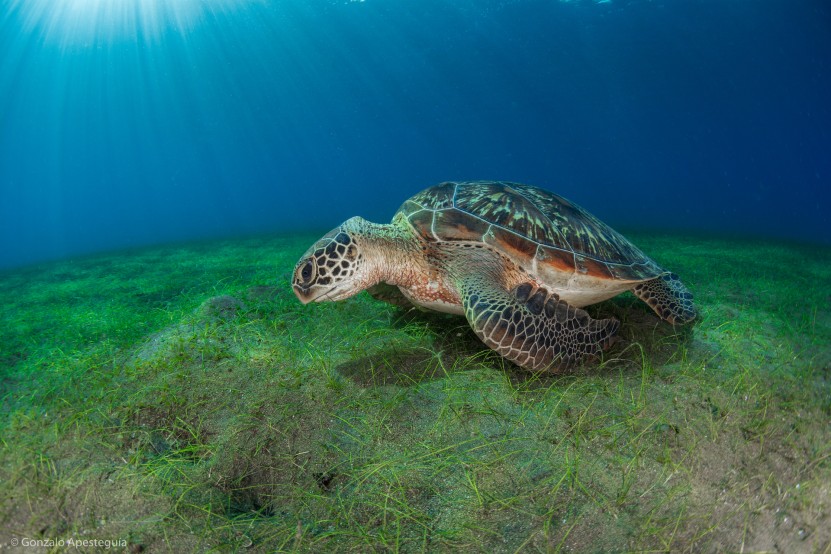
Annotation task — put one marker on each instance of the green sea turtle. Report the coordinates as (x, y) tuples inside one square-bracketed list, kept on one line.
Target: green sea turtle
[(517, 261)]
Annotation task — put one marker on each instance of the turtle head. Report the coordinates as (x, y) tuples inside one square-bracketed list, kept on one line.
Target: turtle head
[(335, 266)]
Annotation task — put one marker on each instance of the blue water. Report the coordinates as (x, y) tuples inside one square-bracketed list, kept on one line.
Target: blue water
[(131, 122)]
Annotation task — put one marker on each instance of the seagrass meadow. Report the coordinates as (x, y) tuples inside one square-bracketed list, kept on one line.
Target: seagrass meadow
[(181, 399)]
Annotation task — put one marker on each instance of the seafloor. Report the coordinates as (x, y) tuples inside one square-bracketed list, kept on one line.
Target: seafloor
[(181, 399)]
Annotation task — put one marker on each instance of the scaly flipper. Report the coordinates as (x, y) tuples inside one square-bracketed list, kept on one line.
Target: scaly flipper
[(532, 327), (668, 297)]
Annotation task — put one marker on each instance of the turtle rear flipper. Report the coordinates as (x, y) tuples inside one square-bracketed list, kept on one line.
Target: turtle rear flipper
[(668, 297), (532, 327)]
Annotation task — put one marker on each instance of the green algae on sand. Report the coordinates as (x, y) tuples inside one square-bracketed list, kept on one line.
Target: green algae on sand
[(181, 398)]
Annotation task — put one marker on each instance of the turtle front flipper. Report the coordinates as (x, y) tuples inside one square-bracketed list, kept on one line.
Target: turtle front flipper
[(668, 297), (532, 327)]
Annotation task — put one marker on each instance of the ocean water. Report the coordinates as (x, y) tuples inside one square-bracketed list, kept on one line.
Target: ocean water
[(182, 398), (133, 122)]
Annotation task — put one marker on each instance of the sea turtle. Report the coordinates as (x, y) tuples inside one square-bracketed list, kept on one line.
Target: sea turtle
[(517, 261)]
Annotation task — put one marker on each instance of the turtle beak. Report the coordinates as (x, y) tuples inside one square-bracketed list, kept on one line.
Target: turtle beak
[(303, 294), (313, 293)]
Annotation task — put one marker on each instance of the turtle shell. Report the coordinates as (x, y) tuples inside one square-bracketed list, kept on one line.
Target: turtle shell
[(534, 227)]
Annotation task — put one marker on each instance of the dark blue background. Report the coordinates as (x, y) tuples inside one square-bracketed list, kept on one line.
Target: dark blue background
[(136, 122)]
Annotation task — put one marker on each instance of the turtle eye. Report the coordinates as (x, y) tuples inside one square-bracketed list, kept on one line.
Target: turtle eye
[(306, 271)]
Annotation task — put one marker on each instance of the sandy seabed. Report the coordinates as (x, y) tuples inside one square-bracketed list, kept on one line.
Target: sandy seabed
[(180, 399)]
